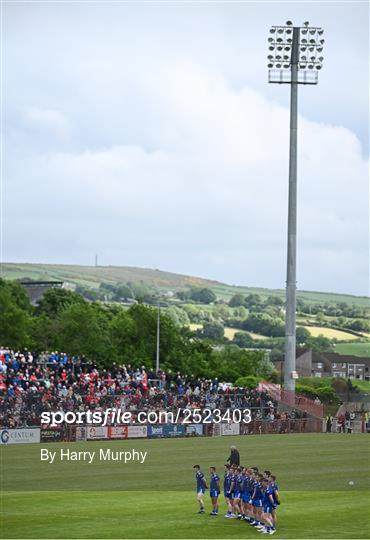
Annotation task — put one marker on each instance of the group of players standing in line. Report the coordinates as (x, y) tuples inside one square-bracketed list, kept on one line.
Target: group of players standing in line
[(249, 495)]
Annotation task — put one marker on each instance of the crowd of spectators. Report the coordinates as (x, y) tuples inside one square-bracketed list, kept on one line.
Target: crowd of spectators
[(31, 384)]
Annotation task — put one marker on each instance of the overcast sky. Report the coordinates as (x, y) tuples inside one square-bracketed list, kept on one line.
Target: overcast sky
[(146, 133)]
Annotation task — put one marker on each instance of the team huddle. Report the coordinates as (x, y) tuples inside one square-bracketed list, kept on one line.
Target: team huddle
[(249, 495)]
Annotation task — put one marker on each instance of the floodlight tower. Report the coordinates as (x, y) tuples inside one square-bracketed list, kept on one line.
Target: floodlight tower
[(295, 57), (158, 336)]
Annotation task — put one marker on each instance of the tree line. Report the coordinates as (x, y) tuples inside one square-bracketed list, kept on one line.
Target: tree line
[(105, 333)]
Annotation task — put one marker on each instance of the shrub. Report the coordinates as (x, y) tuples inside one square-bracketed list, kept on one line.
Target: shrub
[(247, 382)]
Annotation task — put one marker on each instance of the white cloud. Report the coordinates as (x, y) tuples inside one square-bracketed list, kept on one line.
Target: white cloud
[(216, 185), (47, 122), (154, 149)]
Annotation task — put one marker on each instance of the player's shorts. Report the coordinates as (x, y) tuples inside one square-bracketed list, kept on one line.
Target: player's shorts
[(214, 493), (257, 503), (229, 495), (246, 497), (201, 491), (267, 508), (237, 495)]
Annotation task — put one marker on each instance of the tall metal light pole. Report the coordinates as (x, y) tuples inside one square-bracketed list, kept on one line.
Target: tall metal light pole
[(294, 58), (158, 335)]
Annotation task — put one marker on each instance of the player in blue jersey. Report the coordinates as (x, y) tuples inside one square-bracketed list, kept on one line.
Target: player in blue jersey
[(233, 490), (214, 490), (229, 494), (268, 505), (275, 494), (201, 487), (238, 505), (257, 497), (227, 484), (246, 495)]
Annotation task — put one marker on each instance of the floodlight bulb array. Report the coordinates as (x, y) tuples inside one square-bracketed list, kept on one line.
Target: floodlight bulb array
[(310, 47)]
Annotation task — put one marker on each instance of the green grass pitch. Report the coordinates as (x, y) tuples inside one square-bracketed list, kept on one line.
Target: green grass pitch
[(157, 499)]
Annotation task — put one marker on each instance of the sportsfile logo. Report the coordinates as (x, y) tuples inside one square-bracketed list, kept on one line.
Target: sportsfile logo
[(117, 416)]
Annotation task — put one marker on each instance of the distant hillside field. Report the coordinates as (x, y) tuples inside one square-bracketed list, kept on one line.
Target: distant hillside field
[(355, 349), (331, 333), (91, 276)]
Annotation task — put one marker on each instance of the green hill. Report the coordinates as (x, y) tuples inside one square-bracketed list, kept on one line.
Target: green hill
[(92, 276)]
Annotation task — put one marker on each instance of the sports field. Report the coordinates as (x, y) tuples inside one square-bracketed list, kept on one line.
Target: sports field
[(157, 499)]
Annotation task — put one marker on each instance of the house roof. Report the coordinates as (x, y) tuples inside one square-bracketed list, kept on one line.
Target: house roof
[(343, 358), (330, 357)]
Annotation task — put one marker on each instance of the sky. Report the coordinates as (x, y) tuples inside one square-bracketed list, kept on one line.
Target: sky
[(147, 133)]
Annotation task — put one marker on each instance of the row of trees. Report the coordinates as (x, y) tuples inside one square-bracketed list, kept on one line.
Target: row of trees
[(64, 321), (260, 323), (254, 301), (333, 309), (215, 331), (201, 295)]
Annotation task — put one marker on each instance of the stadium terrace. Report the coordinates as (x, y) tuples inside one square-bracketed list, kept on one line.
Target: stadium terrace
[(57, 383)]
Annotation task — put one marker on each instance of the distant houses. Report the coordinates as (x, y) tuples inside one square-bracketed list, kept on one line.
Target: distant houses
[(310, 363)]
